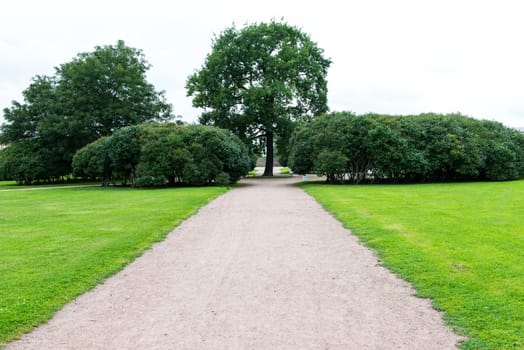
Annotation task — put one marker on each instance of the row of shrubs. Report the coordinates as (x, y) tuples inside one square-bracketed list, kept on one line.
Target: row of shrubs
[(429, 147), (342, 146), (160, 154)]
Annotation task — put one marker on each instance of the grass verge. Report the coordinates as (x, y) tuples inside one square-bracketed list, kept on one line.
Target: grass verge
[(460, 244), (57, 244)]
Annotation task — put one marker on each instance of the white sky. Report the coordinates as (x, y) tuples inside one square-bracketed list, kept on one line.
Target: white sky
[(394, 57)]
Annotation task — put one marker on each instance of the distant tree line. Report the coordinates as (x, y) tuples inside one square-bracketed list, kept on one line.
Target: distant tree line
[(429, 147), (91, 96), (165, 154), (266, 83)]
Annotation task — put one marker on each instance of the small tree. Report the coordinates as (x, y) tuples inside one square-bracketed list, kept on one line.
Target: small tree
[(258, 79)]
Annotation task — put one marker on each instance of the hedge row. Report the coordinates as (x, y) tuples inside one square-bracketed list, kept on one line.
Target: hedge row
[(428, 147), (165, 154)]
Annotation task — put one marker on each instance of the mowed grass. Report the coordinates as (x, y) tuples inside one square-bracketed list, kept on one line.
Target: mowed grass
[(57, 243), (461, 244)]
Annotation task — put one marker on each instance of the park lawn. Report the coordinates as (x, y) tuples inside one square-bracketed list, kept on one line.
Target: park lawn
[(56, 244), (7, 184), (460, 244)]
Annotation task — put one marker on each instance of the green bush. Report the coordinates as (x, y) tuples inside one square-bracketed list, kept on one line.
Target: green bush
[(24, 162), (160, 154), (332, 164), (222, 179), (302, 148), (427, 147), (93, 161), (125, 153)]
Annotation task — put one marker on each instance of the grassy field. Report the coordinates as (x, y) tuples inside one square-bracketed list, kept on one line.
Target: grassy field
[(56, 244), (460, 244)]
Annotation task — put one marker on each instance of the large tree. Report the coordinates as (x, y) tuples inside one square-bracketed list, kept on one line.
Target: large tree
[(258, 79), (88, 97)]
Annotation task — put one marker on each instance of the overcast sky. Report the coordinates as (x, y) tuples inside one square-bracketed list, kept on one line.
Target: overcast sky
[(394, 57)]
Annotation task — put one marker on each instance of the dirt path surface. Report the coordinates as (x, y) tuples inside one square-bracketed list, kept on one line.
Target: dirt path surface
[(261, 267)]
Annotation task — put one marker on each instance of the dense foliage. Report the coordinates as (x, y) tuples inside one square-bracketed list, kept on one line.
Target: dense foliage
[(257, 81), (89, 97), (427, 147), (2, 167), (160, 154)]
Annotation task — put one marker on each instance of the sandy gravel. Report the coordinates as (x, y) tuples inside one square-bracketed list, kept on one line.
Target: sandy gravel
[(262, 267)]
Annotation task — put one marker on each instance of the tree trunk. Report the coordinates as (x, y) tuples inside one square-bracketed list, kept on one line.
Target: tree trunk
[(268, 171)]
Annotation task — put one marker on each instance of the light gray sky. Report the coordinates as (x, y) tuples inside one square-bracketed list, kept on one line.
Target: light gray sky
[(394, 57)]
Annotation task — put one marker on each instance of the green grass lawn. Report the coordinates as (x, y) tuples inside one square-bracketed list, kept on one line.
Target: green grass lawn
[(56, 244), (461, 244)]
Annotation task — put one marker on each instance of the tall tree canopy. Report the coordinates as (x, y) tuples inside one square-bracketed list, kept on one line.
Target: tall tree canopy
[(258, 80), (89, 97)]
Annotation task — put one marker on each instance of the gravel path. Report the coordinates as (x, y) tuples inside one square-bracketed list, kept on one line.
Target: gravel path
[(261, 267)]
